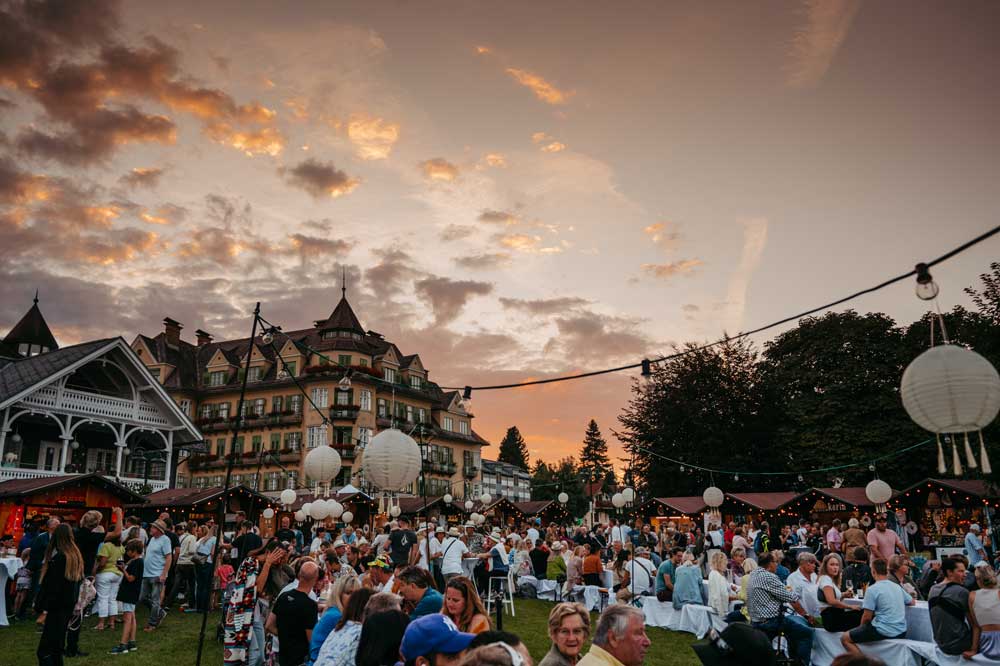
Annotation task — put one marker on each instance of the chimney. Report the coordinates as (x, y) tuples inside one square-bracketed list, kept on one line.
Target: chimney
[(203, 338), (173, 331)]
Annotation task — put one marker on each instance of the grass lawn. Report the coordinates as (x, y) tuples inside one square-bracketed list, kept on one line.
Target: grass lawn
[(176, 643)]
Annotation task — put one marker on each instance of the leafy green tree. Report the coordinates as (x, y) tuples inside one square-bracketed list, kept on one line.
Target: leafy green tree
[(548, 481), (594, 461), (987, 300), (513, 450)]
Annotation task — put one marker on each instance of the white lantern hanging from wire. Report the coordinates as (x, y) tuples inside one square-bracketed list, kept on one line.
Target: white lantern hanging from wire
[(563, 498), (319, 510), (288, 497), (392, 460), (951, 390), (335, 508), (469, 504), (878, 492), (300, 516), (322, 465), (395, 511), (268, 513), (347, 517), (713, 497), (447, 499), (618, 500), (629, 494), (307, 509), (486, 499)]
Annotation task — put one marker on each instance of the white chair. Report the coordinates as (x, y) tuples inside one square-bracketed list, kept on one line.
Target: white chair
[(507, 589)]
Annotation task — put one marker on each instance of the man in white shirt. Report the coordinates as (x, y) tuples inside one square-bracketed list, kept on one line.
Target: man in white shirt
[(617, 533), (803, 582), (533, 533), (642, 572), (452, 551)]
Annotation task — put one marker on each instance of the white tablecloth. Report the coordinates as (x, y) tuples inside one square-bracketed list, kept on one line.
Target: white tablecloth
[(8, 569), (544, 589), (694, 619), (469, 566), (918, 620), (590, 596), (607, 578), (826, 646)]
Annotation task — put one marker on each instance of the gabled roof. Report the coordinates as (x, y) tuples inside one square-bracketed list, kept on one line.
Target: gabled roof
[(854, 496), (687, 505), (303, 496), (192, 496), (976, 487), (534, 507), (21, 487), (23, 374), (342, 319), (765, 501), (32, 329)]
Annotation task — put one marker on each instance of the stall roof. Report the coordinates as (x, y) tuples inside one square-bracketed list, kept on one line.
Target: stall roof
[(21, 487), (534, 507), (975, 487), (765, 501), (687, 505), (414, 505), (303, 496), (855, 496), (192, 496)]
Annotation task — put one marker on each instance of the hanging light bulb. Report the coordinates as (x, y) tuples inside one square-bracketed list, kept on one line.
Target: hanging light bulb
[(345, 382), (467, 399), (647, 373), (682, 468), (16, 438), (268, 337), (74, 445), (927, 289), (800, 478)]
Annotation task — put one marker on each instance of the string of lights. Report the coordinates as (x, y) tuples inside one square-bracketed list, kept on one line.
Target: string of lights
[(921, 271)]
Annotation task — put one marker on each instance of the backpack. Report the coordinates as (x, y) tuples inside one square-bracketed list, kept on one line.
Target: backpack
[(761, 543)]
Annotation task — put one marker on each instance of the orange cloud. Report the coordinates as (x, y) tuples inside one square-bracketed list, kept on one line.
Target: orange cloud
[(553, 147), (262, 141), (495, 160), (682, 267), (482, 50), (661, 235), (439, 168), (124, 245), (320, 179), (543, 90), (372, 137)]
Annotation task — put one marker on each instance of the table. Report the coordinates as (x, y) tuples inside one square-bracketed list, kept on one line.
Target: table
[(8, 569), (469, 567), (918, 620), (692, 618)]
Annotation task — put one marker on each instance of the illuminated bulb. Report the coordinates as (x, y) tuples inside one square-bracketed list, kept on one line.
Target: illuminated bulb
[(16, 438), (268, 337), (927, 291), (800, 478), (74, 445)]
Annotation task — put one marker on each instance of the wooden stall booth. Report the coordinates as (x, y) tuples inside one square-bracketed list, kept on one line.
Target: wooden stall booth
[(742, 508), (941, 511), (823, 505), (23, 501), (200, 504), (549, 511), (362, 507), (682, 511)]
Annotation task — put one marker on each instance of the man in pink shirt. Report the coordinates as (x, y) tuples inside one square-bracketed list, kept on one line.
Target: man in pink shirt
[(882, 543), (833, 538)]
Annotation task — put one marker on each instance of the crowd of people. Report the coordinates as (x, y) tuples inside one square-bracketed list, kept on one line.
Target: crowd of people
[(371, 596)]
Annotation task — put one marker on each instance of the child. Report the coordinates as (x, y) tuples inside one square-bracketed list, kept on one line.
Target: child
[(223, 576), (23, 581), (128, 594)]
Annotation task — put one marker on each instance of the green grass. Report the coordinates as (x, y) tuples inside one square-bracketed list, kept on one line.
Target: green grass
[(176, 642)]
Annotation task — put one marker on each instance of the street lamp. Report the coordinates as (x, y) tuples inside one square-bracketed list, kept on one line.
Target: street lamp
[(146, 457)]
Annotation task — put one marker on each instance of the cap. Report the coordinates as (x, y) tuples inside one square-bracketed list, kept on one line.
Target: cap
[(975, 527), (433, 634), (470, 524), (382, 562), (339, 543)]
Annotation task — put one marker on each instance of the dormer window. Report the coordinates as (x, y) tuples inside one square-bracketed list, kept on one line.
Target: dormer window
[(389, 375), (255, 373), (415, 382), (217, 378), (329, 335)]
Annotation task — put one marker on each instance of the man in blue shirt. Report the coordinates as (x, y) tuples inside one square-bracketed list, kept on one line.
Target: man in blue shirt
[(666, 575), (416, 586), (884, 615), (156, 566), (974, 548)]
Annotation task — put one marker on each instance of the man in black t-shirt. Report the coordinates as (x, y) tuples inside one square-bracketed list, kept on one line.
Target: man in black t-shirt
[(286, 533), (246, 542), (293, 616), (403, 544)]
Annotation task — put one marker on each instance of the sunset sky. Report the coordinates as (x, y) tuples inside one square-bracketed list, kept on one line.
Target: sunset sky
[(516, 189)]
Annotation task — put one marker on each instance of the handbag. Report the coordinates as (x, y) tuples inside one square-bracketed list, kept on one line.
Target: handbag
[(199, 558)]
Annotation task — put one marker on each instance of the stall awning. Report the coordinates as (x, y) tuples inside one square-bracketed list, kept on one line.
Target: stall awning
[(534, 507), (687, 505), (19, 488), (764, 501), (179, 497), (971, 487), (853, 496)]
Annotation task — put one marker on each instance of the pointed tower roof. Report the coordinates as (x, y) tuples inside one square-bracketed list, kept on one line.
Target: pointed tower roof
[(342, 318), (32, 330)]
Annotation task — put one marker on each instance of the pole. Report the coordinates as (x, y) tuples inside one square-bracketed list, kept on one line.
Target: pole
[(229, 475)]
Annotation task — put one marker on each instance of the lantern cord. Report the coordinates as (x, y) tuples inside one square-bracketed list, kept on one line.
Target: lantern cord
[(815, 470), (882, 285)]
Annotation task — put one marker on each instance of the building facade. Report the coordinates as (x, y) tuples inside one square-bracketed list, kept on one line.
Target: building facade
[(502, 479), (359, 380), (86, 409)]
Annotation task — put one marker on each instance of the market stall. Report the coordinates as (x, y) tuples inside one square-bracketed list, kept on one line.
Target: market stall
[(361, 506), (941, 510), (550, 511), (682, 511), (823, 505), (200, 504), (746, 507)]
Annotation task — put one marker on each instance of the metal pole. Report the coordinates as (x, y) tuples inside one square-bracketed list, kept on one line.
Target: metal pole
[(229, 475)]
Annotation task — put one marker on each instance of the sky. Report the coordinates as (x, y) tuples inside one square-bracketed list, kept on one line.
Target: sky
[(516, 190)]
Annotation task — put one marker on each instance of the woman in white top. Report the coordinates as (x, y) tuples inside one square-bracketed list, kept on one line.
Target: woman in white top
[(720, 592), (837, 616), (751, 536)]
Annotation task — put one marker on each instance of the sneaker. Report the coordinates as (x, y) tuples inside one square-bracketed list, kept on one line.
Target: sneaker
[(132, 647), (121, 648)]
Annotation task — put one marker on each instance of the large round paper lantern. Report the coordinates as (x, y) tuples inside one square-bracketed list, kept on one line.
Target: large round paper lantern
[(563, 498), (300, 516), (447, 499), (287, 496), (469, 504), (629, 495), (486, 498), (335, 508), (392, 460), (268, 513), (347, 517), (322, 464), (878, 493), (395, 511), (319, 510), (307, 509), (618, 500), (951, 389), (478, 518), (713, 497)]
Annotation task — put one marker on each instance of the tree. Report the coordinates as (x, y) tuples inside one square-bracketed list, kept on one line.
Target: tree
[(988, 300), (594, 460), (547, 481), (513, 450)]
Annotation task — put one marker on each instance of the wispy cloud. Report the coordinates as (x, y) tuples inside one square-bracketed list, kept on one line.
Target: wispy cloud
[(547, 144), (663, 235), (754, 241), (815, 44), (439, 168), (545, 91)]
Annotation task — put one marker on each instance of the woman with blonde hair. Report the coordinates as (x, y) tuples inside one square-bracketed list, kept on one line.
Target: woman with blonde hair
[(463, 606), (837, 616), (62, 571), (335, 603), (720, 593), (984, 611)]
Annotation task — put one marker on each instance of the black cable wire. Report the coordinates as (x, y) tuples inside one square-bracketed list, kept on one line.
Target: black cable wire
[(882, 285)]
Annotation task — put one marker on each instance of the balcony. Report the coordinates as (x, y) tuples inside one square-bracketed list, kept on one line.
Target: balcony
[(92, 404), (470, 471), (346, 451), (251, 421), (344, 412), (442, 467)]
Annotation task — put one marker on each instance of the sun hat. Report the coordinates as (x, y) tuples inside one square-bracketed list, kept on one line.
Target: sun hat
[(439, 529), (470, 524), (160, 525), (558, 545), (339, 543), (433, 634), (454, 532)]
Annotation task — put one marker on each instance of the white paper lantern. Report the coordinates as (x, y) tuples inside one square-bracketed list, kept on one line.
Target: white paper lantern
[(335, 508), (469, 504), (478, 518), (448, 499), (628, 494), (394, 511), (319, 510), (713, 497), (392, 460), (347, 517), (300, 516), (268, 513), (563, 498), (951, 389), (322, 464), (288, 497), (486, 498), (618, 500), (878, 493)]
